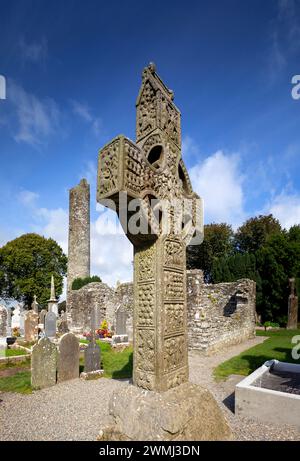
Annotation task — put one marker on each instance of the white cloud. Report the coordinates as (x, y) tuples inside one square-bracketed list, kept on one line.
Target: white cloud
[(218, 180), (36, 119), (28, 198), (85, 113), (286, 208), (55, 225), (34, 51)]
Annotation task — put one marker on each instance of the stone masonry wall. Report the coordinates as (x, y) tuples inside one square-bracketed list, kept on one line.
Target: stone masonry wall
[(79, 232), (219, 315)]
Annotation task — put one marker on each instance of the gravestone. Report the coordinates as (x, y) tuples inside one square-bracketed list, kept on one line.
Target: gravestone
[(42, 316), (92, 358), (15, 321), (150, 175), (292, 307), (148, 185), (52, 303), (3, 321), (50, 325), (43, 364), (31, 326), (68, 358), (9, 319), (34, 305), (62, 323), (22, 323), (121, 318)]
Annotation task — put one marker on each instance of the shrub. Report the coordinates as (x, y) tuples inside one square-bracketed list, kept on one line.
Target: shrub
[(81, 282)]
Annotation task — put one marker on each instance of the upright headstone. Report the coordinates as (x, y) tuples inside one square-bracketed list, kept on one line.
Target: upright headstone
[(52, 303), (34, 305), (31, 326), (9, 320), (150, 175), (3, 321), (68, 358), (121, 318), (15, 321), (43, 364), (62, 323), (42, 316), (22, 323), (79, 233), (292, 307), (50, 325), (92, 353)]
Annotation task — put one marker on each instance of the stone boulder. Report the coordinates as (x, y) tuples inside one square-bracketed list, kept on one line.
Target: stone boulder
[(185, 413)]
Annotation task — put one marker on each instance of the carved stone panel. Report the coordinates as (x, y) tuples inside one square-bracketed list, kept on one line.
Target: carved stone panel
[(145, 304), (108, 163), (173, 285), (174, 353), (174, 317), (145, 350)]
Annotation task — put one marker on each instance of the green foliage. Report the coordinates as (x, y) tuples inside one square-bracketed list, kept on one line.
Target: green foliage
[(26, 266), (81, 282), (278, 346), (234, 267), (253, 234), (218, 242), (271, 324), (277, 261)]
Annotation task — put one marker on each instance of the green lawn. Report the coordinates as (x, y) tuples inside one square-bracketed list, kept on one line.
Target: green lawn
[(19, 382), (116, 365), (12, 352), (277, 346)]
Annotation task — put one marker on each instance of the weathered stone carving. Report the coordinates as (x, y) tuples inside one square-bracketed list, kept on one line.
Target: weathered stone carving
[(152, 173)]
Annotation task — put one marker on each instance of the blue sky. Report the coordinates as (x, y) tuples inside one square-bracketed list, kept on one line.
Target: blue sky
[(73, 71)]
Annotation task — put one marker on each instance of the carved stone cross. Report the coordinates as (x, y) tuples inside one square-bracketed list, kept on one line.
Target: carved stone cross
[(151, 173)]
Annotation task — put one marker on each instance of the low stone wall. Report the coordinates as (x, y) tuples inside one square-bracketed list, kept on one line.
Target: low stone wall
[(220, 314)]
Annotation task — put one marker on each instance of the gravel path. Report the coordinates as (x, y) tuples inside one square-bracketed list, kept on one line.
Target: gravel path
[(76, 410)]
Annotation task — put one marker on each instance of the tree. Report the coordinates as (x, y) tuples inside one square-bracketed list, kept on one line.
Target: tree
[(253, 234), (218, 242), (235, 267), (277, 261), (81, 282), (26, 266)]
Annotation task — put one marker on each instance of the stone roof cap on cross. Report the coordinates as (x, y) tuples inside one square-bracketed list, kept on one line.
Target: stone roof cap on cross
[(151, 168)]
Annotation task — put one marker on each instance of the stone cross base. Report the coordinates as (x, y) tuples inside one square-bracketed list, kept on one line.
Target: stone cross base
[(92, 375), (188, 412), (119, 339)]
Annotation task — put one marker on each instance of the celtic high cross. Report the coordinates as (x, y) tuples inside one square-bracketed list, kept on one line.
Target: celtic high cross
[(150, 176)]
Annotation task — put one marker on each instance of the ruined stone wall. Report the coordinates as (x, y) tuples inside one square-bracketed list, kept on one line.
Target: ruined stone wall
[(97, 296), (220, 314), (104, 300), (79, 232)]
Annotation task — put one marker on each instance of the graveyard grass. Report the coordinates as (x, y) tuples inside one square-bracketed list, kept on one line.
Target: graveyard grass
[(116, 365), (277, 346)]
